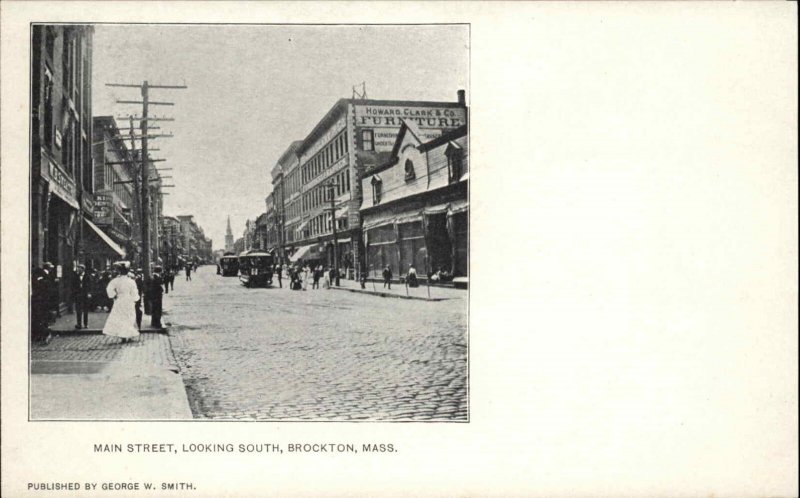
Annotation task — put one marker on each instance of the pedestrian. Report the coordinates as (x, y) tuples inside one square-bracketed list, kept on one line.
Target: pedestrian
[(188, 272), (140, 289), (326, 279), (280, 276), (40, 312), (172, 272), (306, 275), (411, 278), (82, 296), (363, 279), (296, 284), (51, 282), (122, 319), (387, 277), (155, 295), (317, 275), (166, 280)]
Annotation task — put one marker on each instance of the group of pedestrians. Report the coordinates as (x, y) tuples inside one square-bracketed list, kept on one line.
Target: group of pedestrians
[(300, 276), (119, 290)]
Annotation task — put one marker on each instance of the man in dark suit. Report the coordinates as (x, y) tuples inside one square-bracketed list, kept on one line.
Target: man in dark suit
[(82, 295), (156, 291)]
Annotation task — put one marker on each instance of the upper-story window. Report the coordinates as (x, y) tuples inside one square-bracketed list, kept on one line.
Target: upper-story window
[(368, 140), (454, 155), (377, 189), (410, 175)]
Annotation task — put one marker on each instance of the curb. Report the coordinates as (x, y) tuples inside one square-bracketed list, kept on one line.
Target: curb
[(386, 294), (67, 333)]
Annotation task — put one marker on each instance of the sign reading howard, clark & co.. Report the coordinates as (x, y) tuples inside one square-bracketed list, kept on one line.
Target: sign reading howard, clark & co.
[(374, 116)]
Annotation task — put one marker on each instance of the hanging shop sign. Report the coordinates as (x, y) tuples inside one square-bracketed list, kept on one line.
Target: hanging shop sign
[(103, 209), (61, 184)]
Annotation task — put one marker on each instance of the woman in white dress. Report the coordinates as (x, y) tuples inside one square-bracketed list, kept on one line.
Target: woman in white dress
[(122, 319)]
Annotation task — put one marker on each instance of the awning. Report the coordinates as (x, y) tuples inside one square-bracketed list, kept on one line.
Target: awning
[(105, 238), (377, 219), (438, 209), (300, 253), (409, 217), (457, 207), (302, 226)]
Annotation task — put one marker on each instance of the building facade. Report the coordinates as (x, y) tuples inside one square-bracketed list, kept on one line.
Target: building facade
[(171, 241), (62, 184), (116, 208), (317, 181), (196, 247), (416, 206)]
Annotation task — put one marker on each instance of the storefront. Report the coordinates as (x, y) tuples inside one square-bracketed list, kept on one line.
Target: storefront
[(431, 239)]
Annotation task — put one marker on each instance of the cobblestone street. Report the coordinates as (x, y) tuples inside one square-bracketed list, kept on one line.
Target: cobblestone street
[(271, 354)]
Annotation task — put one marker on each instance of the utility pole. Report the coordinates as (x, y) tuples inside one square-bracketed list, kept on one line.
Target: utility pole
[(145, 167), (331, 186)]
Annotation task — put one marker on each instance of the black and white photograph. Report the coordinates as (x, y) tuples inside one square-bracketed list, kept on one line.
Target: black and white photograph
[(249, 222), (398, 249)]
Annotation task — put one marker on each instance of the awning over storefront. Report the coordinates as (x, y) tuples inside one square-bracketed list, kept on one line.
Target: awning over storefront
[(105, 238), (457, 207), (300, 253), (409, 217), (438, 209), (376, 220)]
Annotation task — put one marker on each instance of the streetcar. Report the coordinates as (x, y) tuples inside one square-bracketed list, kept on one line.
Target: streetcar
[(229, 265), (255, 268)]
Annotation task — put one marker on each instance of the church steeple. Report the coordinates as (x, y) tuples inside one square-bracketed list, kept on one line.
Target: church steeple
[(229, 236)]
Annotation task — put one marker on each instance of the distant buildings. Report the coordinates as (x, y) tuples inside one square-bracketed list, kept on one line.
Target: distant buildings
[(195, 244)]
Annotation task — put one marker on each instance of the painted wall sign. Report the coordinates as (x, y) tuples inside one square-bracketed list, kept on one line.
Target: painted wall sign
[(372, 116)]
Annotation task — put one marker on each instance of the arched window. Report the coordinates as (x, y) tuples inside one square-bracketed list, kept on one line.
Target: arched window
[(377, 188), (410, 170)]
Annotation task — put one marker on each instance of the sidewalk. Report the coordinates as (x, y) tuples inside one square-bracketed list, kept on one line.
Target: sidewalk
[(399, 290), (65, 324), (84, 375)]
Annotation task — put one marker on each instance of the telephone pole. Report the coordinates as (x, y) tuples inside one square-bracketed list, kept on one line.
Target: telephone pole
[(145, 167), (331, 186)]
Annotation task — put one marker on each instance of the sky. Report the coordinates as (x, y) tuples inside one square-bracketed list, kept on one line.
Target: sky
[(252, 90)]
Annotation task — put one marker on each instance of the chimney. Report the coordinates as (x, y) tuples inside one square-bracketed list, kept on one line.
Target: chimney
[(462, 98)]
